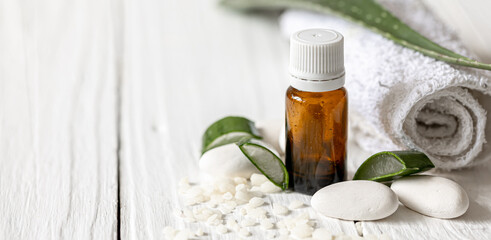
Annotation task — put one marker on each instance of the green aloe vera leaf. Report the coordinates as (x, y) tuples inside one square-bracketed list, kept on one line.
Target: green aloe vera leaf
[(228, 130), (387, 166), (265, 161), (371, 15)]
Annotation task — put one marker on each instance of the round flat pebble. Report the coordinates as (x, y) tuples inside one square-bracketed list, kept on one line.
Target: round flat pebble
[(226, 161), (355, 200), (432, 196)]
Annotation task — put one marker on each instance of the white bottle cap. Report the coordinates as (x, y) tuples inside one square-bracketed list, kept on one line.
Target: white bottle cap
[(316, 60)]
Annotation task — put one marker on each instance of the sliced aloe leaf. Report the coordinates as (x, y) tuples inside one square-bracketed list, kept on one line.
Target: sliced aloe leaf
[(371, 15), (228, 130), (267, 162), (387, 166)]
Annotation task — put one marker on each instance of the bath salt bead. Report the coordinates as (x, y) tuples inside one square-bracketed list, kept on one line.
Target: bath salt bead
[(226, 187), (279, 209), (295, 204), (258, 179), (243, 196), (212, 218), (224, 209), (266, 224), (216, 222), (222, 229), (211, 204), (194, 191), (269, 187), (256, 189), (199, 232), (311, 223), (240, 180), (243, 211), (241, 188), (232, 224), (257, 216), (228, 196), (258, 194), (304, 217), (247, 223), (256, 213), (256, 202), (244, 232), (302, 230), (217, 198), (290, 223), (321, 233), (230, 204)]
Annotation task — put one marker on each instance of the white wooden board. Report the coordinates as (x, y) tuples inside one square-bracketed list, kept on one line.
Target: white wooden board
[(475, 224), (185, 70), (72, 71), (199, 65), (58, 159)]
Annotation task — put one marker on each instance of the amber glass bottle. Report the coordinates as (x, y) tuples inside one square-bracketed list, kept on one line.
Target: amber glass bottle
[(316, 111)]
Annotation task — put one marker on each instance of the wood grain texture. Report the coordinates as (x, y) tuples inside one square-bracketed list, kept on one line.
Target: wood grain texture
[(198, 65), (185, 69), (178, 66), (475, 224), (469, 20), (57, 112)]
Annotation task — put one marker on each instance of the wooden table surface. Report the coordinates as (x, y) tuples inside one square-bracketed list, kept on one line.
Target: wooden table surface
[(103, 104)]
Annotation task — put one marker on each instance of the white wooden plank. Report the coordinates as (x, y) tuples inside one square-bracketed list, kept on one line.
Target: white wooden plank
[(188, 63), (58, 159), (468, 19), (475, 224)]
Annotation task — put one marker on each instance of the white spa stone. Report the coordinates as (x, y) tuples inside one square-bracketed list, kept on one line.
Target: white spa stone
[(355, 200), (432, 196), (226, 161)]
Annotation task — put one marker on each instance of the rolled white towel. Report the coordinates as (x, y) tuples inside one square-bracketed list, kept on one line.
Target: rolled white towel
[(401, 99)]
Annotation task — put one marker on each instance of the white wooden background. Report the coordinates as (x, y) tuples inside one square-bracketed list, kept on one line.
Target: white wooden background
[(103, 104)]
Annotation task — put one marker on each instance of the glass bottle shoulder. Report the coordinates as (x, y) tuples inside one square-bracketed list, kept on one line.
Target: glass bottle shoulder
[(296, 95)]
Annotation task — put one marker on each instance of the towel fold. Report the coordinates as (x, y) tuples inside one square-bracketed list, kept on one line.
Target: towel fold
[(400, 99)]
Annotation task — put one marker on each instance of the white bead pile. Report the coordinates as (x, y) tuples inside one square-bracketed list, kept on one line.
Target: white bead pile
[(236, 206)]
